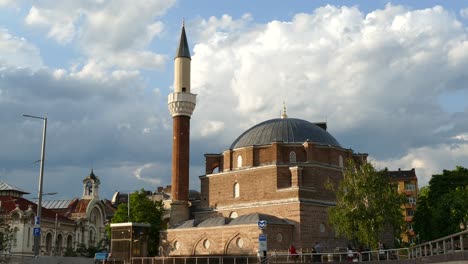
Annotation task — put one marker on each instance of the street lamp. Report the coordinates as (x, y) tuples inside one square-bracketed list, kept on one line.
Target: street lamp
[(37, 223)]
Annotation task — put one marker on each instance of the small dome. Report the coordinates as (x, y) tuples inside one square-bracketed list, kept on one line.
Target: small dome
[(287, 130)]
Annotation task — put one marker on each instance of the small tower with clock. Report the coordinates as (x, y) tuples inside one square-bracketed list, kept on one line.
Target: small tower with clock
[(91, 186)]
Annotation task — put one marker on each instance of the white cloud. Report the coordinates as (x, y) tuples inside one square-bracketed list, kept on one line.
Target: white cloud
[(464, 12), (376, 78), (212, 127), (7, 2), (141, 173), (18, 52), (115, 33), (60, 25), (430, 160)]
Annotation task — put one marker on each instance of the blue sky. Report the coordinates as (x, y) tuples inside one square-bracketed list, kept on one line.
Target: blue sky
[(389, 78)]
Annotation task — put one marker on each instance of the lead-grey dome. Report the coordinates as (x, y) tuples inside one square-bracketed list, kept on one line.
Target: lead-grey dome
[(287, 130)]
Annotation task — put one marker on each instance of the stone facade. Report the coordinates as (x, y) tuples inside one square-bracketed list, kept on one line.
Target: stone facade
[(288, 181), (64, 224), (278, 171)]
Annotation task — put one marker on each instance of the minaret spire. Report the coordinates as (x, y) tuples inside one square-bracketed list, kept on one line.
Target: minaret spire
[(183, 49), (284, 115), (181, 104)]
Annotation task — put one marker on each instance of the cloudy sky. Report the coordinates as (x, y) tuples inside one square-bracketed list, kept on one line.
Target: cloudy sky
[(391, 80)]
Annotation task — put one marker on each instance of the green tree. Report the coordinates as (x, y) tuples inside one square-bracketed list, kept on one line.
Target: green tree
[(143, 210), (449, 180), (7, 233), (367, 203), (443, 209), (423, 215)]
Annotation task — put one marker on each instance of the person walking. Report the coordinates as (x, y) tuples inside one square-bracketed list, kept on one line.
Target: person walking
[(293, 253), (318, 250)]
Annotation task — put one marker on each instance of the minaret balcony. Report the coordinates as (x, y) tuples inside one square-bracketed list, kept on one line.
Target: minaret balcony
[(181, 103)]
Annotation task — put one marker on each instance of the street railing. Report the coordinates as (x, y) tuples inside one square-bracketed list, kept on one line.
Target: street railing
[(454, 243), (197, 260), (348, 256), (282, 257)]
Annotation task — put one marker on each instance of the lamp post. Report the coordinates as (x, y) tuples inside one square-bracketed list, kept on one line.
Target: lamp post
[(37, 237)]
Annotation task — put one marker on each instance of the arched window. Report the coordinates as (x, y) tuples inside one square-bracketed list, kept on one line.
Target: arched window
[(48, 245), (239, 161), (340, 161), (292, 157), (69, 241), (59, 244), (233, 215), (236, 190), (92, 237)]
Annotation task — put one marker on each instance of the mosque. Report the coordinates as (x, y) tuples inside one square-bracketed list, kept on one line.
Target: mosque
[(274, 172)]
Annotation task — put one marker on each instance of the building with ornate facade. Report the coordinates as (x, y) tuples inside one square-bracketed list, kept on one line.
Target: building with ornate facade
[(64, 224), (276, 171)]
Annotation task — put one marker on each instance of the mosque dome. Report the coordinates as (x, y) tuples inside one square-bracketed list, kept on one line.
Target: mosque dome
[(287, 130)]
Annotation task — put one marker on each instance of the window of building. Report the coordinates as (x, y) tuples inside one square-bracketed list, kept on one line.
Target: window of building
[(240, 242), (411, 200), (292, 157), (69, 241), (409, 226), (239, 161), (176, 244), (233, 215), (409, 186), (340, 161), (236, 190), (409, 212), (206, 244), (322, 227)]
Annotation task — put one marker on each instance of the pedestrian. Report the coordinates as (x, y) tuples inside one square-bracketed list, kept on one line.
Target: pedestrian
[(318, 249), (293, 253), (314, 255), (350, 255), (381, 248)]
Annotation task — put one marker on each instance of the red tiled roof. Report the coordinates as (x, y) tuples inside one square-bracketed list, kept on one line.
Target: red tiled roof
[(78, 208), (9, 204)]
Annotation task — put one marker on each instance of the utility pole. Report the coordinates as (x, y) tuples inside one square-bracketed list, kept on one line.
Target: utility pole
[(37, 222)]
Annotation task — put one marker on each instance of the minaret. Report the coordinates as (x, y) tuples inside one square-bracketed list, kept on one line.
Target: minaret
[(181, 105)]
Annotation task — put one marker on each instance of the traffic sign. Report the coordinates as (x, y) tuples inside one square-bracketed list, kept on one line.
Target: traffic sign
[(36, 231), (262, 242), (37, 220), (262, 224)]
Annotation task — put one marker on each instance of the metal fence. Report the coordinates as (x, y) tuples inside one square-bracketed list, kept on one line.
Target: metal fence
[(454, 243), (277, 257), (348, 256), (197, 260)]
